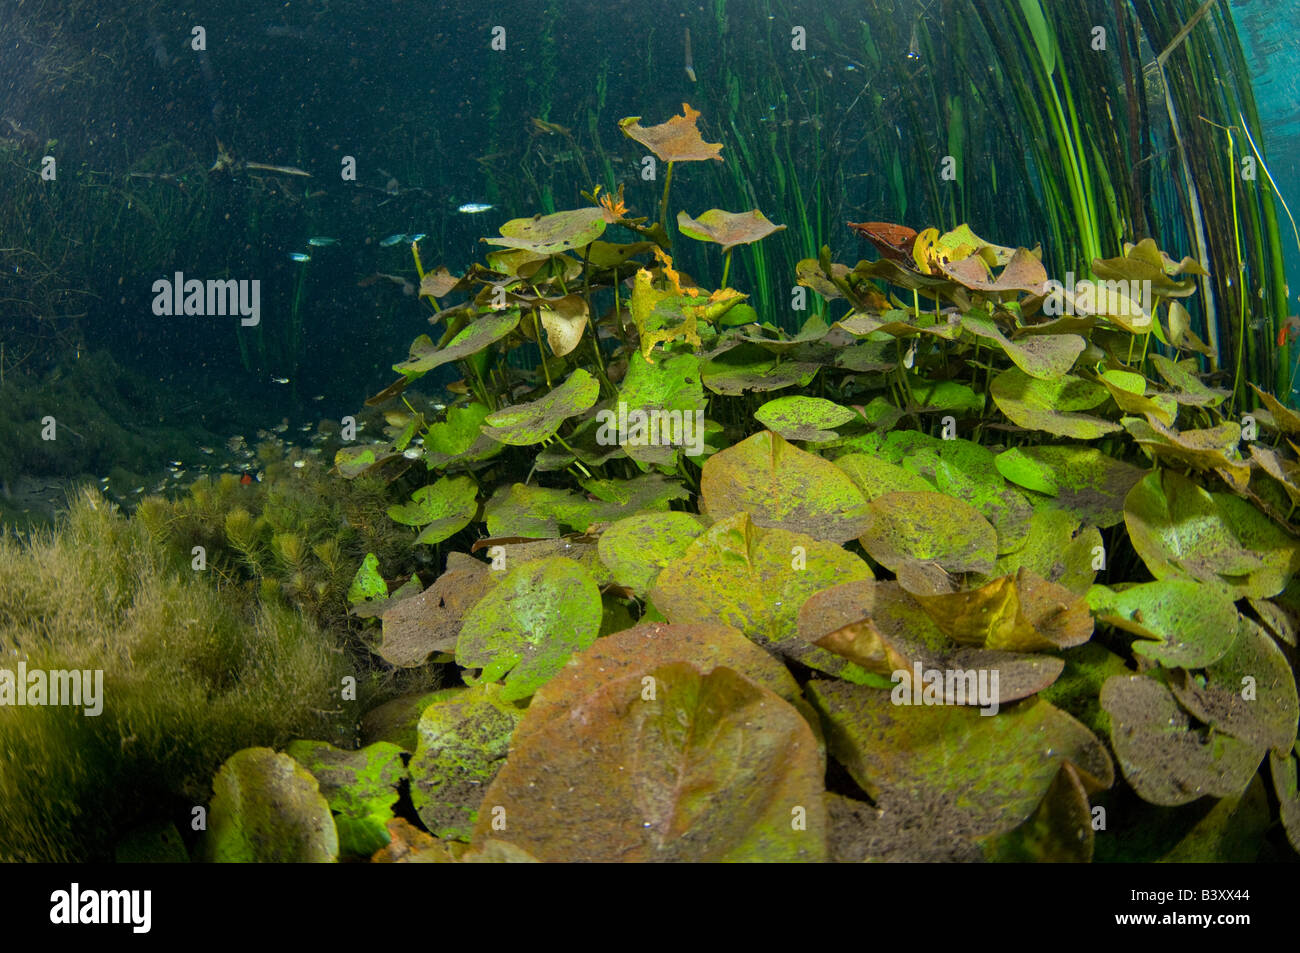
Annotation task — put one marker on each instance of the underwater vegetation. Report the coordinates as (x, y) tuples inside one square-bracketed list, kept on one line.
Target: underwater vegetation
[(980, 567)]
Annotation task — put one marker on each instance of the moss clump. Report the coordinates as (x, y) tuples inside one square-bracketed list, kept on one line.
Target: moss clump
[(192, 673)]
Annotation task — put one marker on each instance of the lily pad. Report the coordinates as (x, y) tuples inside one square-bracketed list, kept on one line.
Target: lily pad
[(929, 527), (637, 548), (1213, 448), (533, 422), (1045, 357), (368, 584), (564, 320), (1249, 693), (416, 628), (750, 368), (983, 775), (443, 508), (780, 485), (1164, 759), (525, 628), (485, 330), (1084, 481), (1193, 624), (360, 786), (875, 476), (1053, 406), (1059, 830), (267, 808), (677, 140), (676, 780), (1059, 548), (804, 418), (552, 234), (727, 229), (464, 736)]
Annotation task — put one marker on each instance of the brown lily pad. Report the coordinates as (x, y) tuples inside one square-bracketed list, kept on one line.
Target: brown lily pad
[(415, 628), (677, 140)]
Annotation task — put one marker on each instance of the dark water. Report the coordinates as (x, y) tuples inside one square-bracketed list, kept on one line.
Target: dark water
[(136, 115)]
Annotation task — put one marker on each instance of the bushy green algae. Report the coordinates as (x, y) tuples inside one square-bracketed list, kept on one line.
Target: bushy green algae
[(192, 673)]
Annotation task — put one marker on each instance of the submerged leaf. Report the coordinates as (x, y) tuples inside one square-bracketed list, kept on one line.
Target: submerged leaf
[(727, 229), (677, 140), (533, 422), (929, 527)]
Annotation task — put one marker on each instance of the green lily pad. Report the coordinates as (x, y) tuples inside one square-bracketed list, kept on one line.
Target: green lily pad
[(875, 476), (804, 418), (982, 775), (780, 485), (727, 229), (1213, 448), (459, 440), (1231, 832), (368, 584), (750, 368), (675, 780), (1128, 390), (1164, 759), (739, 574), (637, 548), (1083, 480), (1180, 529), (929, 527), (539, 512), (1187, 386), (951, 396), (552, 234), (644, 647), (1285, 770), (1057, 547), (443, 508), (463, 738), (1078, 688), (1192, 623), (267, 808), (1045, 357), (352, 462), (1052, 406), (360, 786), (1249, 693), (485, 330), (1059, 830), (533, 422), (670, 386), (526, 627)]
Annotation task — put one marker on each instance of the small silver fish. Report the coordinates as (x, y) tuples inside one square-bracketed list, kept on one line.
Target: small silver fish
[(279, 380), (473, 208), (299, 464), (914, 48), (299, 256), (411, 453), (392, 240), (321, 242), (319, 397)]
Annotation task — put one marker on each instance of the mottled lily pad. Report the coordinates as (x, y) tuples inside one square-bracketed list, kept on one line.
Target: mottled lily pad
[(1083, 480), (1214, 448), (1057, 547), (1285, 769), (986, 775), (780, 485), (804, 418), (929, 527), (552, 234), (486, 329), (526, 627), (1192, 623), (1059, 831), (1053, 406), (875, 476), (1249, 692), (681, 763), (750, 368), (443, 508), (360, 786), (267, 808), (1045, 357), (1164, 759), (464, 736), (533, 422), (727, 229), (638, 547), (415, 628)]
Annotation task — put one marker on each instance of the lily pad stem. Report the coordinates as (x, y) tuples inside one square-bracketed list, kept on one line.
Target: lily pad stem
[(663, 208), (726, 266), (541, 348)]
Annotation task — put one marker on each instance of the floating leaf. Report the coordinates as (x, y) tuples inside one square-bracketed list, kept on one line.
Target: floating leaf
[(439, 282), (642, 648), (360, 786), (416, 628), (780, 485), (671, 386), (464, 735), (1058, 548), (1045, 357), (267, 808), (1059, 831), (875, 477), (1214, 448), (526, 627), (677, 140), (982, 775), (1052, 406), (1188, 388), (552, 234), (804, 418), (1163, 758), (727, 229), (459, 440), (676, 779), (750, 368), (443, 508), (740, 575), (1249, 692), (929, 527), (1193, 623), (1084, 481), (637, 548), (533, 422), (485, 330)]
